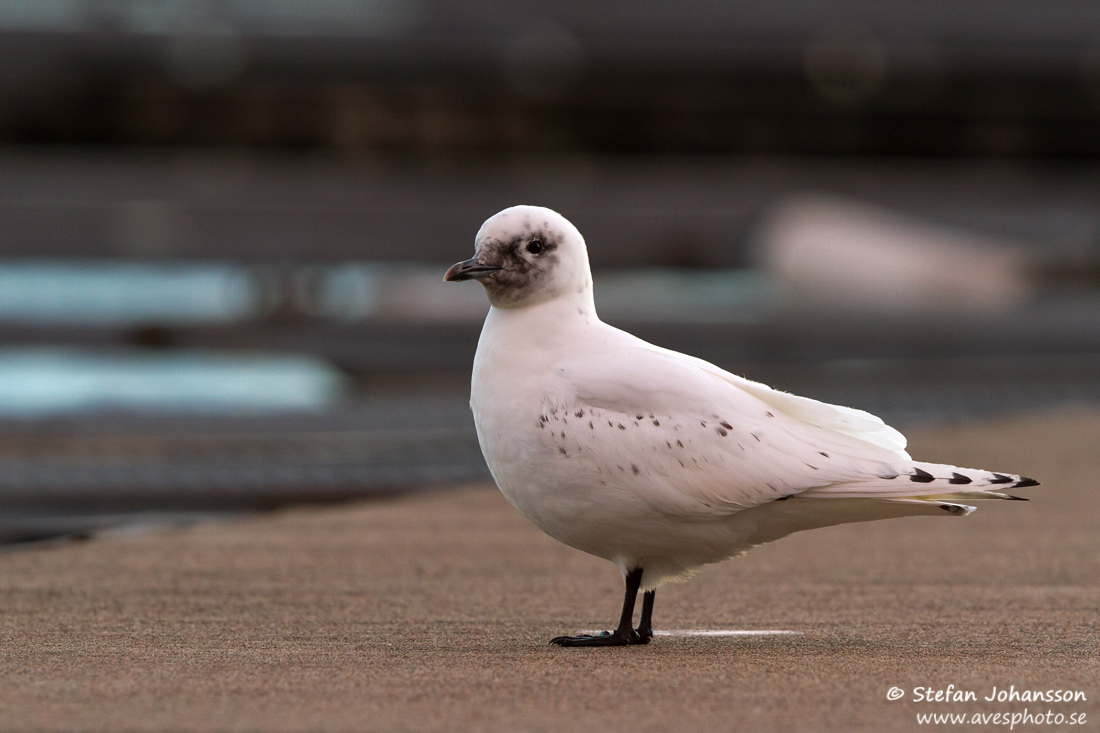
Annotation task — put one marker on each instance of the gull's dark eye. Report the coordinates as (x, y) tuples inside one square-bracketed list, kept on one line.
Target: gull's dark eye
[(534, 247)]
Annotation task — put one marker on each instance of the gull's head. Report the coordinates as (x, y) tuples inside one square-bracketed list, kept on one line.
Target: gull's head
[(527, 255)]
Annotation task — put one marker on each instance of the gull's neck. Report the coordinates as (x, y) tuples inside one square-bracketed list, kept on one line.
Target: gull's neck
[(548, 321)]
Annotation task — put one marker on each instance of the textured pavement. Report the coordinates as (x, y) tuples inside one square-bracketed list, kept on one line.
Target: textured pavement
[(432, 612)]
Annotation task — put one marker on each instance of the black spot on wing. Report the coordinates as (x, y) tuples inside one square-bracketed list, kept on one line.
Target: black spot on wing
[(726, 425), (823, 453), (721, 431), (1000, 478), (958, 478), (562, 450), (634, 468), (921, 476)]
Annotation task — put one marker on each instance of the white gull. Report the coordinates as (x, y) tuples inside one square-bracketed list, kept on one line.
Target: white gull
[(655, 460)]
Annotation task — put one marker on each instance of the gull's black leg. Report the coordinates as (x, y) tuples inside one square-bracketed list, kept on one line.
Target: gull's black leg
[(645, 623), (625, 633)]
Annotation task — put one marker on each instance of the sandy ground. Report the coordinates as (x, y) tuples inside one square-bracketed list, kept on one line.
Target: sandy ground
[(432, 612)]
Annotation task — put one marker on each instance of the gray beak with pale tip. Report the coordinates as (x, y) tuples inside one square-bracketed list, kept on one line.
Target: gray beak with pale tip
[(470, 269)]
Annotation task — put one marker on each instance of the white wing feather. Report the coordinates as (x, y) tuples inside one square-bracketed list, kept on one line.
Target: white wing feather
[(704, 443)]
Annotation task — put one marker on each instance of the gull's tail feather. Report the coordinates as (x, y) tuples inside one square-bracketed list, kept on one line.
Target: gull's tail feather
[(948, 487), (928, 489)]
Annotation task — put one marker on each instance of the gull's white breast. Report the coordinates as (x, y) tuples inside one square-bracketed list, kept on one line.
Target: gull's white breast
[(513, 388)]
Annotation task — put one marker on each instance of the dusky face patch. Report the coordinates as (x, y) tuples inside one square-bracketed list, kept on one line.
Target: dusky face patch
[(527, 261)]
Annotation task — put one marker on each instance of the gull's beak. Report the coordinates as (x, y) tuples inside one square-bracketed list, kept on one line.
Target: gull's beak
[(471, 269)]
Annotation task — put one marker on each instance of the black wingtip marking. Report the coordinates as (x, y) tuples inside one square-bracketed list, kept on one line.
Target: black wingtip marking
[(952, 509), (958, 478), (1000, 478), (1010, 497), (921, 476), (1025, 481)]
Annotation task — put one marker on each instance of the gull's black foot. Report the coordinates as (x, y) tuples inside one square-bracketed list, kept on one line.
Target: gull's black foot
[(623, 635), (604, 638)]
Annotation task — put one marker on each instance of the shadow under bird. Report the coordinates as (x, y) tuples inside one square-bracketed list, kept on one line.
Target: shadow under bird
[(655, 460)]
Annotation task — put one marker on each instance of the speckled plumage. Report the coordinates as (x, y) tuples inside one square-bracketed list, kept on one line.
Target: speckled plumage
[(657, 460)]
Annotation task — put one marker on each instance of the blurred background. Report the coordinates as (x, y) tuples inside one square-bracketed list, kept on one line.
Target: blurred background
[(224, 223)]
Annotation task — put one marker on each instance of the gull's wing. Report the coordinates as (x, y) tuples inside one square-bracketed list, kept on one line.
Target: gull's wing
[(690, 439), (863, 426)]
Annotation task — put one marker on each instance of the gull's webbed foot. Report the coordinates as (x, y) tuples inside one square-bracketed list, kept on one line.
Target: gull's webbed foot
[(604, 638)]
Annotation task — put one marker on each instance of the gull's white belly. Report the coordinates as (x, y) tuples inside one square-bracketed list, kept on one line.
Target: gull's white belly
[(547, 463), (546, 487)]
